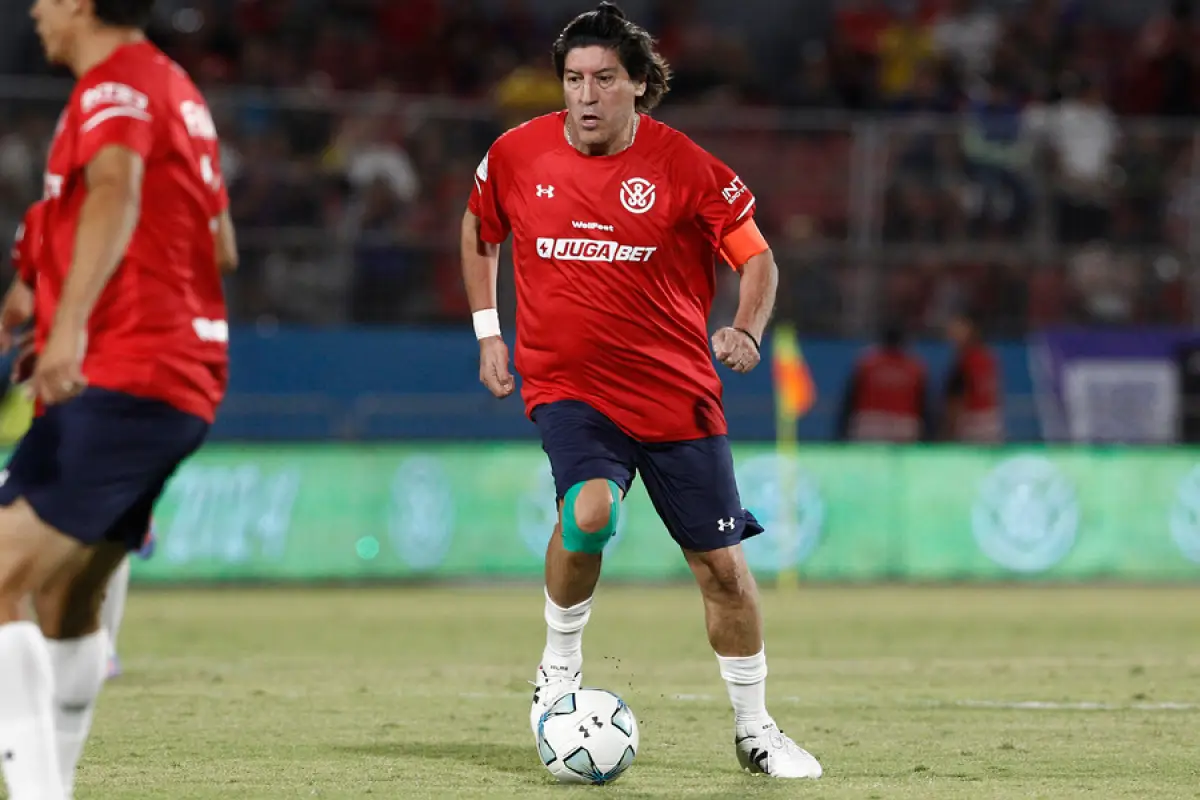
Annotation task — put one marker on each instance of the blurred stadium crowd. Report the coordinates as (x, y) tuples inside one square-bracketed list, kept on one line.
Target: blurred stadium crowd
[(1031, 160)]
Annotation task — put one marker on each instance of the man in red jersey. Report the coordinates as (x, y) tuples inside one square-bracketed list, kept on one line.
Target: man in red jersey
[(617, 220), (16, 313), (131, 343), (973, 399), (885, 397)]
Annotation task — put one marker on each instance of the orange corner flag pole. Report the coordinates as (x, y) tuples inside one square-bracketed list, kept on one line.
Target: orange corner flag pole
[(795, 394)]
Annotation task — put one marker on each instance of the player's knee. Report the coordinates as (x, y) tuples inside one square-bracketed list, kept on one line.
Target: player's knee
[(591, 511), (593, 506)]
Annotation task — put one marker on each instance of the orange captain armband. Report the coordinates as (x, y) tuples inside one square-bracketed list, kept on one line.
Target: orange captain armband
[(743, 244)]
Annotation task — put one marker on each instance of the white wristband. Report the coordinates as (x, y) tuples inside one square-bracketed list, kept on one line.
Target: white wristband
[(487, 323)]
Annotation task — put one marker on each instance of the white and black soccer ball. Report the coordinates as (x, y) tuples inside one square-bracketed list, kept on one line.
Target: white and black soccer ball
[(588, 736)]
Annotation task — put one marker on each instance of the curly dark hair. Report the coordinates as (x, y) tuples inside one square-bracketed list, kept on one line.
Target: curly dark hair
[(124, 13), (607, 26)]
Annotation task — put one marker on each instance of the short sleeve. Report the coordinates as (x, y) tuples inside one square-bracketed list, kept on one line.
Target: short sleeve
[(723, 201), (485, 202), (112, 113)]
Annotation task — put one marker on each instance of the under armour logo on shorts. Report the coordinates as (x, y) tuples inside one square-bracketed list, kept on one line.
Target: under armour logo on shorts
[(725, 524)]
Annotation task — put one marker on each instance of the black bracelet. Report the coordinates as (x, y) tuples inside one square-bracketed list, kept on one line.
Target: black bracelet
[(750, 336)]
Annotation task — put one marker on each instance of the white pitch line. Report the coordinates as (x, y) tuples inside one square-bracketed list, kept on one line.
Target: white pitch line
[(1043, 705)]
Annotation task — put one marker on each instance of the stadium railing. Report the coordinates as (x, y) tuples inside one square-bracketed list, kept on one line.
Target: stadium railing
[(348, 208)]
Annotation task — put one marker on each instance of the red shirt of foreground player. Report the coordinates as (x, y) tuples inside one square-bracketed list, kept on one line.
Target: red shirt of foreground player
[(26, 244), (614, 259), (159, 329)]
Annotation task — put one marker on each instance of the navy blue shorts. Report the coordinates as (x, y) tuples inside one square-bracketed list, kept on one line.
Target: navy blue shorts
[(691, 484), (94, 467)]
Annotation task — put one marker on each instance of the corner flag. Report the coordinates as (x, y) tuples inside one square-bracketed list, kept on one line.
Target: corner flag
[(795, 394)]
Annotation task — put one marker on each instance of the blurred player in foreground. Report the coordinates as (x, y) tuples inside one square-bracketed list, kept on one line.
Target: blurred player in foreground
[(15, 314), (616, 222), (131, 343)]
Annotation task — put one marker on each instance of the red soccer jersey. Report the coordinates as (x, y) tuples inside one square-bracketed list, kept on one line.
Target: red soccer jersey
[(615, 261), (26, 245), (159, 328)]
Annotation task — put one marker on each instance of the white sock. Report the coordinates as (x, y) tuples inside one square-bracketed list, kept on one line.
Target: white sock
[(27, 749), (114, 604), (80, 666), (564, 630), (746, 679)]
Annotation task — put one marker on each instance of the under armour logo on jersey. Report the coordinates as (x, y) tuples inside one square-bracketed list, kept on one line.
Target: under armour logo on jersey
[(637, 195), (545, 191), (725, 524)]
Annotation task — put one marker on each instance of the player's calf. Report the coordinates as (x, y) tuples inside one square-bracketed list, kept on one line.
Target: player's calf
[(588, 519), (734, 624), (730, 600), (112, 611), (30, 552), (68, 608)]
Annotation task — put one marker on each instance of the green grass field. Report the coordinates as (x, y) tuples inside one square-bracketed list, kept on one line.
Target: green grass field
[(422, 693)]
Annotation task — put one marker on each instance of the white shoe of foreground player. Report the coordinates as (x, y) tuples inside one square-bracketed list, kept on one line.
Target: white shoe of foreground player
[(553, 681), (764, 749)]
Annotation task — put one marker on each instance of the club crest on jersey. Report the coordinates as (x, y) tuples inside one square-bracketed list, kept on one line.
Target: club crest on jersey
[(637, 195)]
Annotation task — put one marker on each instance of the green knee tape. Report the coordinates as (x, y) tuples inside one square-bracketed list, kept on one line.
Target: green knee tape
[(580, 541)]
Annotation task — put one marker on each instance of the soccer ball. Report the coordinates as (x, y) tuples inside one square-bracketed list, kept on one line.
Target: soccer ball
[(587, 736)]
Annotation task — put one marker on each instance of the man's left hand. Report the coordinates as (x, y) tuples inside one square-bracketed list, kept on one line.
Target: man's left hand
[(735, 349)]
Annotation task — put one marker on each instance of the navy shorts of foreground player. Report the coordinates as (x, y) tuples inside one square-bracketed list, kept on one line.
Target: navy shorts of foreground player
[(93, 467), (690, 483)]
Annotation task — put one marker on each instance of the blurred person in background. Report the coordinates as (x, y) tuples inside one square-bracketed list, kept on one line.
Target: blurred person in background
[(1161, 72), (904, 46), (972, 409), (965, 34), (617, 221), (998, 149), (885, 399), (529, 90), (1084, 138)]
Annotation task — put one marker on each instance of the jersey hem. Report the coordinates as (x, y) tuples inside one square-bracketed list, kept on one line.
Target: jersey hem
[(607, 410)]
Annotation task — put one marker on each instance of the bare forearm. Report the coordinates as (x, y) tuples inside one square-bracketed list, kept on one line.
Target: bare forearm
[(226, 244), (480, 264), (106, 225), (18, 305), (756, 294)]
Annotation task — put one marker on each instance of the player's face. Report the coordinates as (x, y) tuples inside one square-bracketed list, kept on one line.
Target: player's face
[(54, 20), (958, 332), (600, 98)]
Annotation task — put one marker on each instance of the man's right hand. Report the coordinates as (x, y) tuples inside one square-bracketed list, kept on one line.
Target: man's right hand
[(493, 366), (26, 360)]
